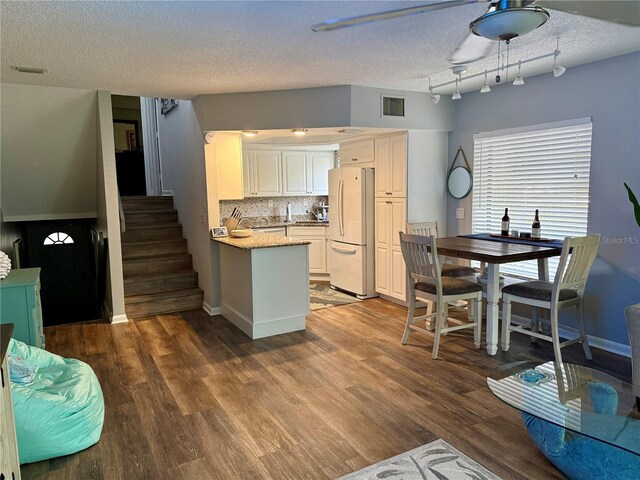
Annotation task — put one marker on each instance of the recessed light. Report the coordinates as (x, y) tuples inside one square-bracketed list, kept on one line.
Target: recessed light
[(39, 71), (299, 131), (249, 133)]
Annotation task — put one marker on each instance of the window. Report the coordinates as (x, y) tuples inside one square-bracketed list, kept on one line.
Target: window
[(543, 167), (58, 238)]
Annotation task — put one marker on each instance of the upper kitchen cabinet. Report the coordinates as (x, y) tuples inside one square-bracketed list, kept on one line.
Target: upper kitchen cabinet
[(262, 173), (224, 151), (357, 153), (391, 166), (306, 173)]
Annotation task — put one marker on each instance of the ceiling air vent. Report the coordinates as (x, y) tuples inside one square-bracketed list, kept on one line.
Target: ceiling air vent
[(392, 106)]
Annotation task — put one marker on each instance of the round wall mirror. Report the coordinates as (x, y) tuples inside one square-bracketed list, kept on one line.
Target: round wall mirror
[(459, 182)]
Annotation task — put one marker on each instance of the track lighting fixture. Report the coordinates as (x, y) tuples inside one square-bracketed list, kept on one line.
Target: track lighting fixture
[(558, 70), (519, 80), (485, 86), (456, 94), (434, 97)]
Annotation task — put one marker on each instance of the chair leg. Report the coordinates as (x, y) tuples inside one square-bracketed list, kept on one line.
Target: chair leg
[(535, 323), (581, 330), (555, 335), (410, 314), (477, 314), (445, 316), (506, 322), (431, 321), (442, 309)]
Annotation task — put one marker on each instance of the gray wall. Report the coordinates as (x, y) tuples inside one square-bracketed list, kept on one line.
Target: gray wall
[(48, 152), (339, 106), (184, 173), (608, 92)]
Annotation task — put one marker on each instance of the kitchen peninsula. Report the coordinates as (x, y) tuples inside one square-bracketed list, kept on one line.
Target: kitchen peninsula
[(264, 283)]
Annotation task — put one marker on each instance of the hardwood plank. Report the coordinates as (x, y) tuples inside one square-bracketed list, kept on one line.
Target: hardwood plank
[(190, 396)]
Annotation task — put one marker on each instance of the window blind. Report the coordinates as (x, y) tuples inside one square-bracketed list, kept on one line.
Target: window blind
[(544, 167)]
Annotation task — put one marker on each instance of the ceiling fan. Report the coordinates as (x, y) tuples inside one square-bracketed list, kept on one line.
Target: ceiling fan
[(504, 20)]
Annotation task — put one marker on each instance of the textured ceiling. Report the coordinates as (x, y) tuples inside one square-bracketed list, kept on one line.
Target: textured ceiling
[(183, 49)]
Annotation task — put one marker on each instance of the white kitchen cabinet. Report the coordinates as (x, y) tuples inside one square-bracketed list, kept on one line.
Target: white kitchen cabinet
[(306, 173), (391, 274), (357, 153), (262, 173), (391, 166), (317, 247), (223, 156)]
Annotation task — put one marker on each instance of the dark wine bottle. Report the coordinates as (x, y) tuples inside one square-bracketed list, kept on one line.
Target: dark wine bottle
[(504, 230), (535, 227)]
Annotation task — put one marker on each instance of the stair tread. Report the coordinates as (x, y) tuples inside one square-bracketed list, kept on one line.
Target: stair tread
[(154, 242), (157, 258), (151, 210), (151, 297), (139, 226), (160, 276)]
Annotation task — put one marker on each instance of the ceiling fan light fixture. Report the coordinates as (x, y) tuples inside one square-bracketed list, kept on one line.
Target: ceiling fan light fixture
[(505, 23)]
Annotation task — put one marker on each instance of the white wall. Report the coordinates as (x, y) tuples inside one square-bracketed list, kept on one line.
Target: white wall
[(184, 172), (608, 92), (48, 152), (108, 213)]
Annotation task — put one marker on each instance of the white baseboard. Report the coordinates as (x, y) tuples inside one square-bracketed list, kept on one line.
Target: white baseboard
[(211, 311), (168, 193), (119, 318), (596, 342)]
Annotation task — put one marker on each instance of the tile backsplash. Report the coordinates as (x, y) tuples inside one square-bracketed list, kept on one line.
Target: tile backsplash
[(259, 207)]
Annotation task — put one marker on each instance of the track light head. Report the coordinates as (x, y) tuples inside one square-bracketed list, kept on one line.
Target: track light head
[(435, 98), (485, 88), (558, 71)]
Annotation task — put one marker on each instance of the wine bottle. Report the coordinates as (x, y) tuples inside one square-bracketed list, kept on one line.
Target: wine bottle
[(504, 231), (535, 227)]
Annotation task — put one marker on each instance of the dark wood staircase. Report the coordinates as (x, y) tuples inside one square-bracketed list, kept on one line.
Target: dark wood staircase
[(158, 270)]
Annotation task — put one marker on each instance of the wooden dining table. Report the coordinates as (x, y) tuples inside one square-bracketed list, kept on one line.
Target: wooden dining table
[(495, 252)]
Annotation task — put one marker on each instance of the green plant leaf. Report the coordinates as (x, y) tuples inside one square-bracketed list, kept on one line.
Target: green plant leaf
[(634, 201)]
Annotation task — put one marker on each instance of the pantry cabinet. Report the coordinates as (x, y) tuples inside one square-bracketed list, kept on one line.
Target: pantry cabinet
[(306, 173), (262, 173), (391, 273), (391, 166), (357, 153)]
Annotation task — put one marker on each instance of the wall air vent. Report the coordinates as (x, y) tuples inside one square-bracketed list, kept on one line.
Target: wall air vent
[(392, 106)]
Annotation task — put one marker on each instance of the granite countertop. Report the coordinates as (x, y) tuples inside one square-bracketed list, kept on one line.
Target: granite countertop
[(260, 240)]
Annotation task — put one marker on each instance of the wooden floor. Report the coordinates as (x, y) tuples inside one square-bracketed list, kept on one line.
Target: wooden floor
[(191, 397)]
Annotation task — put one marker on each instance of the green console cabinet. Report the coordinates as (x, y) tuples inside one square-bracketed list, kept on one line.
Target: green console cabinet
[(20, 305)]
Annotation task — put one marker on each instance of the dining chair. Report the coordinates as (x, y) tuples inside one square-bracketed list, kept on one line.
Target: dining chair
[(448, 269), (426, 282), (578, 254)]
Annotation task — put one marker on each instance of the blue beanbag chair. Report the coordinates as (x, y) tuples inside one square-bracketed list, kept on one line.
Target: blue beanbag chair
[(579, 456), (61, 411)]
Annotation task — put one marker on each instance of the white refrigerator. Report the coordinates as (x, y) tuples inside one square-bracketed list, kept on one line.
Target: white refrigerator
[(351, 230)]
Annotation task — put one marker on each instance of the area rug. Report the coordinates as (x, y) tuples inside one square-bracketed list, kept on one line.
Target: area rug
[(322, 296), (437, 460)]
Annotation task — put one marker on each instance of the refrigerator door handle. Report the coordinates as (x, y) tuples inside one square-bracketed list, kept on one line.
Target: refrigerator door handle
[(350, 251), (342, 206)]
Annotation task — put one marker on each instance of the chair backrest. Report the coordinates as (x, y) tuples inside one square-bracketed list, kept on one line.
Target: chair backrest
[(578, 255), (423, 228), (421, 257)]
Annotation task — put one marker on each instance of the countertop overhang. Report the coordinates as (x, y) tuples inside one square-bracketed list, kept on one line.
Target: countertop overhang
[(260, 240)]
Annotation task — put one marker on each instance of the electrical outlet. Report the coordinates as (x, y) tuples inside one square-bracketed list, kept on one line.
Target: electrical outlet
[(203, 219), (204, 203), (459, 213), (270, 203)]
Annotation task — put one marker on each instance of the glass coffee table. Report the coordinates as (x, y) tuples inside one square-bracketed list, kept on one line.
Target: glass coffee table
[(573, 397)]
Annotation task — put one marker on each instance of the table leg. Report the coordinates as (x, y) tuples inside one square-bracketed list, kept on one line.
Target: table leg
[(493, 299), (543, 274), (543, 269)]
